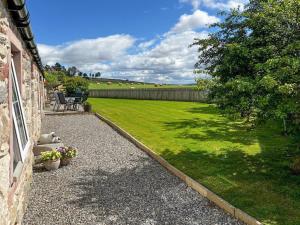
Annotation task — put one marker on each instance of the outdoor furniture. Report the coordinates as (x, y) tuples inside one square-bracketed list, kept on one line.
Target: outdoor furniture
[(61, 100), (78, 100)]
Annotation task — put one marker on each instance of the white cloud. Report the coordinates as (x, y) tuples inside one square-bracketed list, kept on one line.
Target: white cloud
[(171, 61), (163, 59), (87, 51), (199, 19), (216, 4), (194, 3), (147, 44), (230, 4)]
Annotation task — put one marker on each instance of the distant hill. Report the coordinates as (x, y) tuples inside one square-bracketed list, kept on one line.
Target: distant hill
[(112, 80)]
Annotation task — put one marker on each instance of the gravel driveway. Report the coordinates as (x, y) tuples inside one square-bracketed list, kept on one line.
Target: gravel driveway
[(112, 182)]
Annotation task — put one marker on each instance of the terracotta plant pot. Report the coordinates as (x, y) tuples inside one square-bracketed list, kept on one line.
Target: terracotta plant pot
[(87, 107), (52, 164), (65, 161)]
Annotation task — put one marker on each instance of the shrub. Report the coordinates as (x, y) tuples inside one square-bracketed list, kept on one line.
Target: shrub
[(51, 80), (74, 85), (50, 155), (67, 152)]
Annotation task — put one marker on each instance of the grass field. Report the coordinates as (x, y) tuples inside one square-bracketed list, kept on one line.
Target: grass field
[(249, 168), (104, 85)]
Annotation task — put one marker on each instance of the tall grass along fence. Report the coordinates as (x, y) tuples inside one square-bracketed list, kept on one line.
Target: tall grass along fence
[(168, 94)]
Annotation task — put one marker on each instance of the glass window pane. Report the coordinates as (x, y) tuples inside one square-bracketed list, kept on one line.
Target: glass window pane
[(17, 156), (19, 121)]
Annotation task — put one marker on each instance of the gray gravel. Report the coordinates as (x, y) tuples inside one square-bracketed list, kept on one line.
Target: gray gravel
[(112, 182)]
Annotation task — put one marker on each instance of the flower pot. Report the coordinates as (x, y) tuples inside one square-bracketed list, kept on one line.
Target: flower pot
[(87, 108), (65, 161), (52, 164)]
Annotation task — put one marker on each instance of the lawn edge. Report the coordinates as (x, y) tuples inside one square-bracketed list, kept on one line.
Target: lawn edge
[(201, 189)]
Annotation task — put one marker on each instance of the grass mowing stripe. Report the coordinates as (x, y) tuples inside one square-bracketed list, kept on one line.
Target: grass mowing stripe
[(248, 168)]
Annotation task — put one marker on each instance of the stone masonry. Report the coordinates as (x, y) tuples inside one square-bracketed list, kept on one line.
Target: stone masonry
[(13, 193)]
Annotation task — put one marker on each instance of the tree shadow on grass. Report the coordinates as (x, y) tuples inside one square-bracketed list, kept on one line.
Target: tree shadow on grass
[(203, 109), (211, 129), (261, 184), (145, 194)]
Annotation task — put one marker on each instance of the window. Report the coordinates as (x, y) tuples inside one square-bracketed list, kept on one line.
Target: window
[(21, 138)]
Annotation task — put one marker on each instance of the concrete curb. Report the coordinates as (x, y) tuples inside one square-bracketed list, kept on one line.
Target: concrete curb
[(202, 190)]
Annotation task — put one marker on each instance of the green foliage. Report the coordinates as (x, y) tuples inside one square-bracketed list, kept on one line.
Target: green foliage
[(50, 155), (67, 152), (54, 78), (71, 152), (75, 84), (254, 58), (51, 80), (72, 84), (204, 84)]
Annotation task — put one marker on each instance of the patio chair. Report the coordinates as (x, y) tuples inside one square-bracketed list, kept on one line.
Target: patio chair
[(61, 100), (78, 97)]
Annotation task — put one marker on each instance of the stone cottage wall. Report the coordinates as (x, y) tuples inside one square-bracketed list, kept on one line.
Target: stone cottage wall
[(13, 193)]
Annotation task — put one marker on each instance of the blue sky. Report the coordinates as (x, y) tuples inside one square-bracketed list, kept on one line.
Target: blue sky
[(144, 40)]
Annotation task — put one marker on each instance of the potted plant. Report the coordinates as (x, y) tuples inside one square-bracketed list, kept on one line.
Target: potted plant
[(51, 159), (67, 154), (87, 107)]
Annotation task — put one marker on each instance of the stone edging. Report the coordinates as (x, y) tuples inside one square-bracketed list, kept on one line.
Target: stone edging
[(65, 113), (237, 213)]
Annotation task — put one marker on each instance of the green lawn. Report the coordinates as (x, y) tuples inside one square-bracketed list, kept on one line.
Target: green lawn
[(249, 168), (103, 85)]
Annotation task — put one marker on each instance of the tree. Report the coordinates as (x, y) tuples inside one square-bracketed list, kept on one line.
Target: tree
[(51, 80), (75, 84), (254, 60), (57, 67), (72, 71), (98, 74), (47, 68)]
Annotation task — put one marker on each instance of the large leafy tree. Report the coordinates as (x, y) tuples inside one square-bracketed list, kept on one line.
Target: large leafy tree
[(254, 60), (72, 71)]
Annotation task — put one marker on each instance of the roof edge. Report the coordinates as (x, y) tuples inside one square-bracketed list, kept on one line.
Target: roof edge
[(20, 16)]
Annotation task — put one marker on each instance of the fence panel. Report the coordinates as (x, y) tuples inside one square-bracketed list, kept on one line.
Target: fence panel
[(168, 94)]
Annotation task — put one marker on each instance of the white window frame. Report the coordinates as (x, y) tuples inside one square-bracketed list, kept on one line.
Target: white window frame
[(23, 152)]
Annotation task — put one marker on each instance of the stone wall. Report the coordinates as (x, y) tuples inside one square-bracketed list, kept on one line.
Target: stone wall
[(13, 192)]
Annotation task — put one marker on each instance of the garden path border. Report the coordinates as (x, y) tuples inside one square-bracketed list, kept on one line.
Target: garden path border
[(202, 190)]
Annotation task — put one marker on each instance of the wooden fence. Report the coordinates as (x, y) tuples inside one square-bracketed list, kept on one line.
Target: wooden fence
[(168, 94)]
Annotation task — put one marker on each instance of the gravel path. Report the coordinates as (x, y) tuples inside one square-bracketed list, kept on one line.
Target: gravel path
[(112, 182)]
